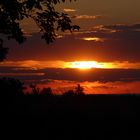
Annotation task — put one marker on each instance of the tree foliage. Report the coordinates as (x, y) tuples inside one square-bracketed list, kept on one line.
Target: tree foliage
[(11, 87), (42, 12), (3, 51)]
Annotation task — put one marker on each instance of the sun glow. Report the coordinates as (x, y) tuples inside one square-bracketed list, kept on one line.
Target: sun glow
[(85, 64)]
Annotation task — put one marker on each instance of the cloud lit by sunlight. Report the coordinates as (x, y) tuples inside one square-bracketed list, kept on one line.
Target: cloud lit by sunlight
[(61, 86), (85, 64), (87, 17), (69, 10), (35, 65), (96, 39), (103, 65)]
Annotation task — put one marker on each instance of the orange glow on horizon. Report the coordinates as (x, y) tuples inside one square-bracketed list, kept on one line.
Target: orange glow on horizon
[(36, 65), (86, 65)]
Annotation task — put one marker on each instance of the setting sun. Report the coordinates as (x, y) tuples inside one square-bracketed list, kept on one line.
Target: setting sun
[(85, 64)]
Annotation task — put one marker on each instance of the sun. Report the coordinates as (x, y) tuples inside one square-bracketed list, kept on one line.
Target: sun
[(85, 64)]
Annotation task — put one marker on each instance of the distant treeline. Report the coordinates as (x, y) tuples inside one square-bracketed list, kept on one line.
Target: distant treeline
[(11, 86)]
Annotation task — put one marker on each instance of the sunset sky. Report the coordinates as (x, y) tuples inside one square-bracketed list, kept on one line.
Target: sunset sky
[(109, 39)]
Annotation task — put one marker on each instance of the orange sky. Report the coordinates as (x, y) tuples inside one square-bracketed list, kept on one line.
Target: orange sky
[(32, 64), (60, 87), (109, 38)]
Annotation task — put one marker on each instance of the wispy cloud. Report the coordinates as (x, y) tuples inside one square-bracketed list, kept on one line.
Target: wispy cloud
[(69, 10), (87, 17), (22, 74), (61, 86), (123, 27), (33, 64), (96, 39), (118, 28)]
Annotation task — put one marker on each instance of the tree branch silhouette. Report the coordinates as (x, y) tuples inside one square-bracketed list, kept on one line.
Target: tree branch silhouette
[(42, 12)]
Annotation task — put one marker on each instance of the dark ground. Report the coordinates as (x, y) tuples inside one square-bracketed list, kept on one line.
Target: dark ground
[(85, 117)]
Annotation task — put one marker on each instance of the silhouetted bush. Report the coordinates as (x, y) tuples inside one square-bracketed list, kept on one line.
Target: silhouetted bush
[(69, 93), (11, 87), (75, 92), (35, 89), (79, 90), (46, 91), (3, 51)]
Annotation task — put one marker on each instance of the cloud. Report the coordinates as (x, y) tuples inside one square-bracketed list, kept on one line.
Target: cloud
[(21, 74), (102, 75), (123, 27), (86, 17), (96, 39), (61, 86), (118, 28), (33, 65), (115, 87), (69, 10), (98, 81)]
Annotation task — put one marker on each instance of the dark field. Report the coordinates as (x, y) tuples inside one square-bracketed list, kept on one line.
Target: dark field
[(72, 117)]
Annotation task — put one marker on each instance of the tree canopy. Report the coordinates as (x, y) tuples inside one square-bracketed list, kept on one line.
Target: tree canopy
[(42, 12)]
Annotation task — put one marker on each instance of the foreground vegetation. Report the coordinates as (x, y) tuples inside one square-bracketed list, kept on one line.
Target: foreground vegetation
[(72, 115)]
